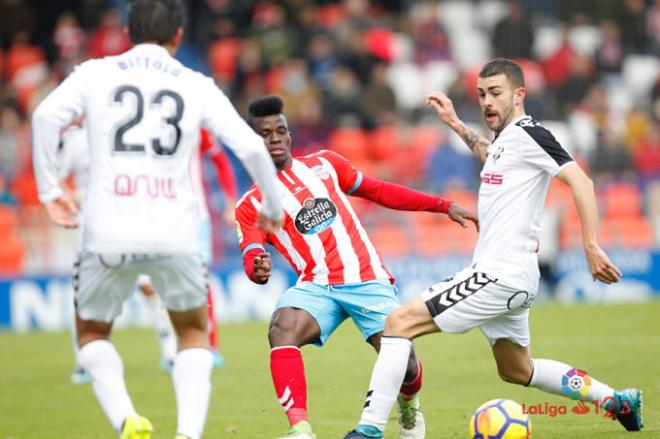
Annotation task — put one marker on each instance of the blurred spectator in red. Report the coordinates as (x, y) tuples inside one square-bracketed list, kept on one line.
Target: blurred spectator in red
[(378, 101), (26, 68), (609, 56), (557, 67), (647, 154), (223, 51), (513, 36), (108, 39), (69, 39)]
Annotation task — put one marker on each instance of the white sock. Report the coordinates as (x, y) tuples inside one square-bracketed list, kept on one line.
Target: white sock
[(561, 379), (386, 380), (163, 327), (74, 345), (191, 375), (104, 365)]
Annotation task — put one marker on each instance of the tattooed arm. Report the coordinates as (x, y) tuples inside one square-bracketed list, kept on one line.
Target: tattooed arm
[(446, 113)]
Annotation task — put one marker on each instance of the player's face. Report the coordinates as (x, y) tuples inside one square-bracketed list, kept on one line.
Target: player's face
[(277, 137), (499, 101)]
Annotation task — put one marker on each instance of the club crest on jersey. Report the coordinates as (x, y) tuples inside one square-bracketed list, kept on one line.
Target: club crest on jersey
[(498, 152), (321, 172), (316, 215)]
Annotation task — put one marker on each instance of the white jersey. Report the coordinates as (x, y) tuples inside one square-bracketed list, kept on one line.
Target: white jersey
[(143, 110), (514, 183), (73, 159)]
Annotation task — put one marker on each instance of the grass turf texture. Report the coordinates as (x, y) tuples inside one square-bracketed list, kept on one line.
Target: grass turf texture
[(618, 344)]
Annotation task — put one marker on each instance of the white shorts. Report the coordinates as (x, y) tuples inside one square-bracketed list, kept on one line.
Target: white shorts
[(473, 299), (101, 283)]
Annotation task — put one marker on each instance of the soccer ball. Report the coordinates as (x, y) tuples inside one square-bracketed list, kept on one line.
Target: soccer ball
[(500, 419)]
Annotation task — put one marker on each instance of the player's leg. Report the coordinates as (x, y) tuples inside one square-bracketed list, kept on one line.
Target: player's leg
[(101, 290), (304, 314), (79, 374), (515, 365), (182, 282), (448, 306), (368, 304), (218, 361), (161, 321)]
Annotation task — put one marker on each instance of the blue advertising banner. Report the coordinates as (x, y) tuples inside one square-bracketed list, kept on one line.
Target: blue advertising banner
[(46, 303)]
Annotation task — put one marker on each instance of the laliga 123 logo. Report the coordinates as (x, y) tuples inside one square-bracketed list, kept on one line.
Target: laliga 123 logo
[(575, 383)]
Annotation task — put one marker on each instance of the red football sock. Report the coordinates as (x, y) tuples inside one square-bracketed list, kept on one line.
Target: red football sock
[(213, 327), (410, 388), (288, 372)]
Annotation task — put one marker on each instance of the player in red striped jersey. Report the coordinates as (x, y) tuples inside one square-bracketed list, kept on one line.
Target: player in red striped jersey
[(340, 272)]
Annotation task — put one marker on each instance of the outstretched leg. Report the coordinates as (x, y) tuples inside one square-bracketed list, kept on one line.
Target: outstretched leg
[(515, 365)]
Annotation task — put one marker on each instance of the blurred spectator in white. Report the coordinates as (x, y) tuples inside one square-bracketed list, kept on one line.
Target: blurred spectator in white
[(513, 37)]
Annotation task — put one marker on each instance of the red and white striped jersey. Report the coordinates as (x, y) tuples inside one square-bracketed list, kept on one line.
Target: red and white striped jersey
[(322, 237)]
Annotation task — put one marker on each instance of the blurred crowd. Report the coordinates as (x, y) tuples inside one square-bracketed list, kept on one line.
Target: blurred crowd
[(353, 75)]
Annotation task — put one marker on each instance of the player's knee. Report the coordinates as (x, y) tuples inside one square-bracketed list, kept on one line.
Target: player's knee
[(514, 374), (398, 322)]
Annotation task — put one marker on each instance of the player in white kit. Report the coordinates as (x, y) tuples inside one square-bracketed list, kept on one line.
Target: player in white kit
[(143, 110), (496, 292), (73, 162)]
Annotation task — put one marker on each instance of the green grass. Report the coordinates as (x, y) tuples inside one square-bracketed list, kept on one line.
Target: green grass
[(617, 344)]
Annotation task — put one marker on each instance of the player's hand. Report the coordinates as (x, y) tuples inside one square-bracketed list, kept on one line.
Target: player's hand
[(62, 211), (444, 108), (262, 267), (269, 225), (601, 267), (229, 215), (462, 216)]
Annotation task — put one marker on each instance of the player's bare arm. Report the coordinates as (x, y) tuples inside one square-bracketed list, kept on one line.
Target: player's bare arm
[(582, 187), (444, 108), (62, 211), (462, 216), (262, 267)]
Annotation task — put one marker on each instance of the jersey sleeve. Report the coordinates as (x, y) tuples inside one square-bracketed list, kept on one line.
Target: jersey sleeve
[(250, 236), (540, 148), (53, 114), (349, 178), (220, 116), (224, 171)]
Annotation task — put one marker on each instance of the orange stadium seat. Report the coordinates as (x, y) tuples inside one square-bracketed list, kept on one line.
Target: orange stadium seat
[(390, 239), (622, 200)]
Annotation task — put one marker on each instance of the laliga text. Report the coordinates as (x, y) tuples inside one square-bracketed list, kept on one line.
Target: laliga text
[(581, 408)]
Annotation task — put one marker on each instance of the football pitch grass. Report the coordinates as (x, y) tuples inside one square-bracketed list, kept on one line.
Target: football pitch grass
[(617, 344)]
